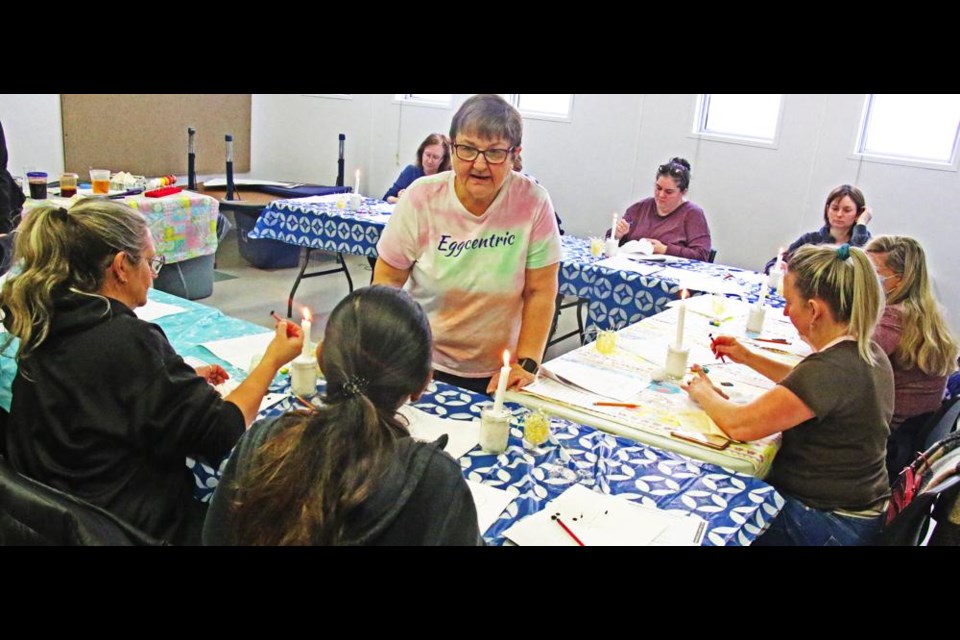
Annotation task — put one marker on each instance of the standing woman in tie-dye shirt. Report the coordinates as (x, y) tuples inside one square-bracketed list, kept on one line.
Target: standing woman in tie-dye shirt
[(478, 247)]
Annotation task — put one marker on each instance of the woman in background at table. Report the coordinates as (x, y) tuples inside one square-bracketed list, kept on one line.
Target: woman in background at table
[(845, 217), (913, 333), (433, 156), (103, 407), (833, 408), (671, 223), (349, 473), (481, 251)]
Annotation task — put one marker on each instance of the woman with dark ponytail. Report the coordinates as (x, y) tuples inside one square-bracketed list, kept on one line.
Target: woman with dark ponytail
[(348, 473)]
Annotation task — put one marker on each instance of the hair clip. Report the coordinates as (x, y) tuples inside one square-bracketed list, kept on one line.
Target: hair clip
[(843, 251), (355, 386)]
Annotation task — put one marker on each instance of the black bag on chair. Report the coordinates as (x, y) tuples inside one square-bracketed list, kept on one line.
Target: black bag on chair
[(927, 489)]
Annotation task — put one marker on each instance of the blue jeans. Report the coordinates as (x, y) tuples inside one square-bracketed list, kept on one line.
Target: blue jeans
[(800, 525)]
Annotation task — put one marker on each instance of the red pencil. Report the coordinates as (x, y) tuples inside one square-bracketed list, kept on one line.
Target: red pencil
[(290, 331), (713, 345), (616, 404), (774, 340), (567, 529)]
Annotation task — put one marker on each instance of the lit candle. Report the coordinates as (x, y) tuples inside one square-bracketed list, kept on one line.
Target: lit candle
[(761, 301), (681, 318), (306, 326), (356, 188), (502, 383), (613, 226), (779, 265)]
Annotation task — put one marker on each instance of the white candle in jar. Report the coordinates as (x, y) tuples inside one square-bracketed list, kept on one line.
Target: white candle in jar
[(306, 326), (681, 318), (502, 383), (356, 188)]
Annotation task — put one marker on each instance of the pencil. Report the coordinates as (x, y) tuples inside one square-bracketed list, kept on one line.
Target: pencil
[(567, 529), (775, 340), (291, 332), (713, 345), (628, 405), (306, 403)]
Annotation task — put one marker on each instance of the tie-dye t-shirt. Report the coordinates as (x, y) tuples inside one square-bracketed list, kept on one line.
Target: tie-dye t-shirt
[(468, 271)]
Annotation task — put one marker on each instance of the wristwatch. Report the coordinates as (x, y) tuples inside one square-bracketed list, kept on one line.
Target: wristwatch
[(529, 365)]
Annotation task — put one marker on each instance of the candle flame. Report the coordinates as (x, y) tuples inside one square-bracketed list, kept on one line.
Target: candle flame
[(506, 358), (305, 312), (684, 294)]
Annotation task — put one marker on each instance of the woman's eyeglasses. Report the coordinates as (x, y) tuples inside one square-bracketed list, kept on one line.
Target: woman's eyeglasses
[(492, 156), (156, 263)]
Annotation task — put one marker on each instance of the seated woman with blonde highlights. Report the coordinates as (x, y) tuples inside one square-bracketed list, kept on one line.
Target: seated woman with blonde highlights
[(103, 407), (833, 408), (349, 473), (912, 330)]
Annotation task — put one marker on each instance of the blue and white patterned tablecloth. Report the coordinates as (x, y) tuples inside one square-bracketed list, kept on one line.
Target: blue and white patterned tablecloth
[(617, 298), (322, 225), (736, 507), (621, 298)]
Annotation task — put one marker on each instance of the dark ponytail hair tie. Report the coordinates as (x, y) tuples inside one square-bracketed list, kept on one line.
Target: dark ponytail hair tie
[(355, 386), (61, 214), (843, 251)]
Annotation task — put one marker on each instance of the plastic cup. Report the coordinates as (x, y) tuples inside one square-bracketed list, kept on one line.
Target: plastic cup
[(68, 185), (100, 179), (38, 184)]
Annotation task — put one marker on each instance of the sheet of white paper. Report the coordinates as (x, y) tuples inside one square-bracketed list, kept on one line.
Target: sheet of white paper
[(654, 349), (701, 281), (597, 519), (611, 383), (379, 217), (462, 435), (640, 247), (623, 263), (240, 351), (490, 502), (153, 310), (384, 207), (226, 388), (329, 198)]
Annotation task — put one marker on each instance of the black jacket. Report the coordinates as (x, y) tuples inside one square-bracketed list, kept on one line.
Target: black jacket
[(423, 500), (106, 410)]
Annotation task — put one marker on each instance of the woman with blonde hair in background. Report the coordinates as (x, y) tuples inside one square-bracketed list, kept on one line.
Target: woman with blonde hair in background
[(913, 333)]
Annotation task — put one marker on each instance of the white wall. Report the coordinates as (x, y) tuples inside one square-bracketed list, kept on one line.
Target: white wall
[(756, 199), (34, 132)]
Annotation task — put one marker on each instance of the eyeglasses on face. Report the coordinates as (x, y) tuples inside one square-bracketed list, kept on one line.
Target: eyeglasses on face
[(493, 156), (156, 263)]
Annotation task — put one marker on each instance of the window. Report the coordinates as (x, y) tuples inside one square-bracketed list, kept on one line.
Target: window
[(739, 117), (549, 106), (426, 99), (913, 129)]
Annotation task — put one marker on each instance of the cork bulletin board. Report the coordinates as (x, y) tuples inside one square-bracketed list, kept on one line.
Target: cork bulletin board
[(146, 134)]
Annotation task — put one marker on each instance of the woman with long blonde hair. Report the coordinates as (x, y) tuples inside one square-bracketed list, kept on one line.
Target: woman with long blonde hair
[(833, 408), (912, 330)]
